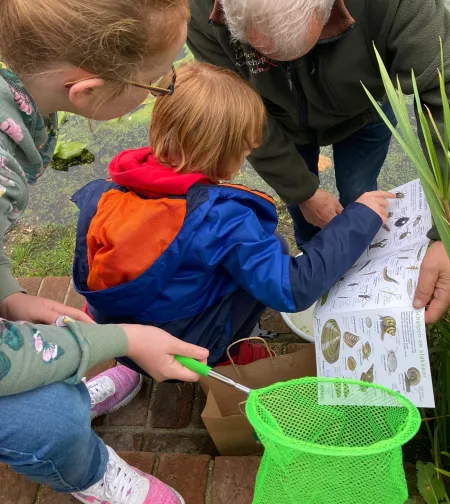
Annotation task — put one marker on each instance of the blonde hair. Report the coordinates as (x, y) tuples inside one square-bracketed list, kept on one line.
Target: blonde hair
[(208, 123), (109, 38)]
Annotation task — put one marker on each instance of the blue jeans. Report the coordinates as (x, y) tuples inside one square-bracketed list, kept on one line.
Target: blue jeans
[(358, 160), (46, 436)]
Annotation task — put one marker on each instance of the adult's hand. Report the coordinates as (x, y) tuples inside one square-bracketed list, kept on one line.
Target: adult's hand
[(154, 351), (21, 306), (434, 283), (321, 208)]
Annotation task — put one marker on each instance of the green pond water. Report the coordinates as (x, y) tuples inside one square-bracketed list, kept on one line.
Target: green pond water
[(50, 197)]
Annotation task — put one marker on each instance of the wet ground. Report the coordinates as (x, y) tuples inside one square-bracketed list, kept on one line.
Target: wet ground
[(50, 197)]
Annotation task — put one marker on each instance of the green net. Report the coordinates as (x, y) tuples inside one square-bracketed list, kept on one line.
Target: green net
[(331, 441)]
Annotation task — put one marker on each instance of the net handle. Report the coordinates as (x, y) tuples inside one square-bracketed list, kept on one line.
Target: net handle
[(272, 353)]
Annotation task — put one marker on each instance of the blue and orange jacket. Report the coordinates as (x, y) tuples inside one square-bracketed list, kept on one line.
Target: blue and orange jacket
[(171, 250)]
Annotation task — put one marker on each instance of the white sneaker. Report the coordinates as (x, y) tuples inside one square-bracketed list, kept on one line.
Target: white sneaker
[(123, 484)]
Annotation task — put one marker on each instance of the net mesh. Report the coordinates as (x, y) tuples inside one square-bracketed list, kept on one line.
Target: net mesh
[(331, 441)]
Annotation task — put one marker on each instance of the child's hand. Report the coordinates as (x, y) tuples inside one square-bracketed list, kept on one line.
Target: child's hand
[(153, 350), (20, 306), (378, 202)]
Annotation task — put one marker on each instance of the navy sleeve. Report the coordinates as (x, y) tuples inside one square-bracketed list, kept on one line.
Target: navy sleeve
[(236, 240)]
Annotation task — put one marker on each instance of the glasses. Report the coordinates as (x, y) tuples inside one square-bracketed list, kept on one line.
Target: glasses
[(153, 89)]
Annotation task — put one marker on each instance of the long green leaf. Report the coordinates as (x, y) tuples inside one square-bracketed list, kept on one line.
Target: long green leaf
[(434, 185), (394, 132), (438, 133), (401, 113), (423, 170), (446, 107), (442, 471), (412, 138), (428, 138)]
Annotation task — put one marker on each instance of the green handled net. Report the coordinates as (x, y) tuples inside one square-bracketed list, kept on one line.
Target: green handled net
[(320, 453)]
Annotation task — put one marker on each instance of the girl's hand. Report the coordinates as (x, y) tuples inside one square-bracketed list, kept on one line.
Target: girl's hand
[(154, 349), (20, 306)]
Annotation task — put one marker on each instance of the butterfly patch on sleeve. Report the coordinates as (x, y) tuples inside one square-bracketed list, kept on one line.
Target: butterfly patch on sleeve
[(49, 351)]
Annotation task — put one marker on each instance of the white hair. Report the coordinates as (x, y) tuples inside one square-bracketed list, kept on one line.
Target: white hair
[(286, 23)]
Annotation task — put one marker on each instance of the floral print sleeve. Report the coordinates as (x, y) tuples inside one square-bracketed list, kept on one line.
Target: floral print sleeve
[(27, 141), (33, 355)]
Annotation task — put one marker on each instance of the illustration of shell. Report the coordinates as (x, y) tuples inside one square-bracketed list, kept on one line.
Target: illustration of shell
[(324, 298), (366, 350), (341, 388), (350, 339), (413, 375), (391, 361), (407, 383), (368, 375), (388, 325), (368, 322), (409, 287), (331, 341), (351, 364)]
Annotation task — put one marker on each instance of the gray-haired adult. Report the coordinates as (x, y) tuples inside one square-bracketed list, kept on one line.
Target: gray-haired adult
[(307, 59)]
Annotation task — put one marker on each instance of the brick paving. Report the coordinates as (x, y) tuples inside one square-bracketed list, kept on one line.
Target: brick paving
[(160, 431)]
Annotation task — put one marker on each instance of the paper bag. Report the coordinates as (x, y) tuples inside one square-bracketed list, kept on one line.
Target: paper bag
[(223, 414)]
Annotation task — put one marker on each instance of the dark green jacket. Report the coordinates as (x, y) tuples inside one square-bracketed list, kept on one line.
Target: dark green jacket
[(319, 98)]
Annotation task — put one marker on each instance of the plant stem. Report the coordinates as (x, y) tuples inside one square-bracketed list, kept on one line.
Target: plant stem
[(427, 426), (446, 208)]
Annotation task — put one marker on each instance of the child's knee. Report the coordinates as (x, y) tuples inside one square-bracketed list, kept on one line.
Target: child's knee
[(45, 420)]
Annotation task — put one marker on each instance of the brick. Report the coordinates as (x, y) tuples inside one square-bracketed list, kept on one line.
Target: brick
[(74, 299), (15, 489), (144, 461), (278, 348), (55, 288), (199, 405), (234, 479), (271, 320), (187, 474), (294, 347), (136, 412), (123, 441), (172, 405), (195, 443), (30, 284), (104, 366), (48, 496)]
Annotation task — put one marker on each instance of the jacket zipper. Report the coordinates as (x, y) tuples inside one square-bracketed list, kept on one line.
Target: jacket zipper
[(295, 82), (302, 105)]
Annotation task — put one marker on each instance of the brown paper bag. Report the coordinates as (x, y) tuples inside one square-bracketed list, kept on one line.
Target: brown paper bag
[(223, 414)]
